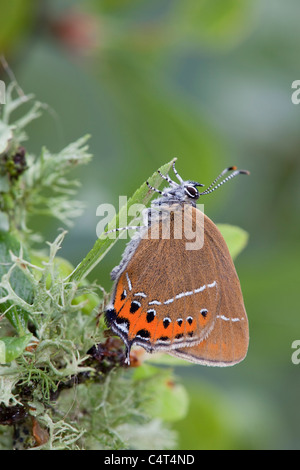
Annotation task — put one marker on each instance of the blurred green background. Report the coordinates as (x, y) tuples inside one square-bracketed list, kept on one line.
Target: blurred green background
[(207, 81)]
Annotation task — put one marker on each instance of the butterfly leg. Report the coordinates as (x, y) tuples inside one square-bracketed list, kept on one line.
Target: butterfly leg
[(133, 227), (162, 193), (177, 174), (167, 178)]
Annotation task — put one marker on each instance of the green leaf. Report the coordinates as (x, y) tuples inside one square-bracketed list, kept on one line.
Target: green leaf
[(166, 359), (12, 347), (235, 237), (168, 399), (173, 401), (142, 196)]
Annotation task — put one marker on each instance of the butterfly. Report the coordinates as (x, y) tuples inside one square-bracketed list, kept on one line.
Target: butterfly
[(174, 297)]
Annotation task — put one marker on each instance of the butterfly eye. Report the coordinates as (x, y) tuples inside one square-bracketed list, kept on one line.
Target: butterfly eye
[(192, 192)]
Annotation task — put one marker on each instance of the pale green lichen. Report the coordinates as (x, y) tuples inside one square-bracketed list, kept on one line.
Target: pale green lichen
[(54, 392)]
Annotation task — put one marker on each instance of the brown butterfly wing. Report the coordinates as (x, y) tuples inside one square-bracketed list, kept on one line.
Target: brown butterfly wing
[(227, 344), (167, 296)]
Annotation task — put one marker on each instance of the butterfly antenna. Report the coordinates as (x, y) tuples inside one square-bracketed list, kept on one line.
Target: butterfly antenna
[(212, 187)]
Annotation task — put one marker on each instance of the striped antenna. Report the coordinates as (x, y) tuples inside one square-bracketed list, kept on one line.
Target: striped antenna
[(212, 187)]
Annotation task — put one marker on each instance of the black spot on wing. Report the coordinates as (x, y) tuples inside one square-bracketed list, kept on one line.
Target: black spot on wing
[(135, 305), (150, 315), (145, 334)]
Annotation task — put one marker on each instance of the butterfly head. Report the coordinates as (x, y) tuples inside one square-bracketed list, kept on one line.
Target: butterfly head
[(191, 191), (187, 191)]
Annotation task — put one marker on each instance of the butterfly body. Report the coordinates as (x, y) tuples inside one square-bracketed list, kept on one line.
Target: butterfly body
[(172, 296)]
